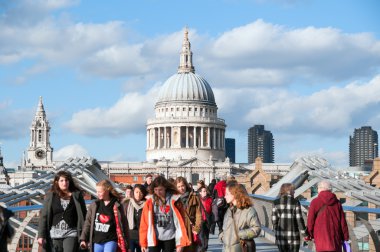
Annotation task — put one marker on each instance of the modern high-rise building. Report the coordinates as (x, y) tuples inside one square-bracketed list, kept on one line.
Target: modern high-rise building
[(230, 149), (260, 144), (363, 146)]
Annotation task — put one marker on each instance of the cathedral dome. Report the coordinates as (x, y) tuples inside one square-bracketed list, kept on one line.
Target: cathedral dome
[(186, 86)]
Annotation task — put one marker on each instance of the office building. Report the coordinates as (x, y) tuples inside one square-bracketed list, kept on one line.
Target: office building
[(260, 144), (363, 146), (230, 149)]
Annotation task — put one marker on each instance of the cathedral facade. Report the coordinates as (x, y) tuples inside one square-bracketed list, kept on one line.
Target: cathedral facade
[(186, 122), (185, 138), (39, 154)]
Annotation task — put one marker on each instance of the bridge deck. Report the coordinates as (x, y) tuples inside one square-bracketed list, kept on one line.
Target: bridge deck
[(262, 244)]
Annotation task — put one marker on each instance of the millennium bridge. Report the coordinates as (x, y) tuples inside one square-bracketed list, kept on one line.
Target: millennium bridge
[(361, 205)]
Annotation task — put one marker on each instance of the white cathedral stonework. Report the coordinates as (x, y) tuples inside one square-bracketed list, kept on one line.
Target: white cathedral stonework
[(39, 154), (186, 137), (186, 124)]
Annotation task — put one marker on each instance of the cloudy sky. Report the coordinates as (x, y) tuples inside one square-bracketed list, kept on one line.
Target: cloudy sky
[(308, 70)]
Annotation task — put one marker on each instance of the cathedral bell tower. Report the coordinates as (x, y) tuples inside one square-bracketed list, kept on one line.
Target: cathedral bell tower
[(40, 153)]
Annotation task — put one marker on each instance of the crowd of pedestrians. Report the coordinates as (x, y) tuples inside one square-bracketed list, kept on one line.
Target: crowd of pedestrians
[(169, 215)]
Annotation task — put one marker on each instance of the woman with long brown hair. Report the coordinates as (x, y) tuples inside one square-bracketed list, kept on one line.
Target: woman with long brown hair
[(240, 221), (105, 224), (62, 217), (192, 213), (161, 225)]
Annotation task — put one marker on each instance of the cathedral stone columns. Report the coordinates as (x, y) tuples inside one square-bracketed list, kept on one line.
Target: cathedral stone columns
[(187, 137), (202, 143), (208, 137), (165, 137)]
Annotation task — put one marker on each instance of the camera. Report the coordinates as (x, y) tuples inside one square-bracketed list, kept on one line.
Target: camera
[(162, 223)]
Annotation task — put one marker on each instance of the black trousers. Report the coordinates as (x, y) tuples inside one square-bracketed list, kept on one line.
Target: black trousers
[(164, 246)]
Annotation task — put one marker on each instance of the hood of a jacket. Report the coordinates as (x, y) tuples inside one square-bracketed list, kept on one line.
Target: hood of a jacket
[(328, 198)]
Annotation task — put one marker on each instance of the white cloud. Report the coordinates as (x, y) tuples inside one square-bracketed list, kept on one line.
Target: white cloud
[(127, 115), (74, 150), (282, 55), (332, 110), (255, 54)]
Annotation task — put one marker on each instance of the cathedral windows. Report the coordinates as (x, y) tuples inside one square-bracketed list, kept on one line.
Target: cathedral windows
[(39, 135)]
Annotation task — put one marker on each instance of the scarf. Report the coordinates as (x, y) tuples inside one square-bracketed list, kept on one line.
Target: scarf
[(130, 211), (184, 198)]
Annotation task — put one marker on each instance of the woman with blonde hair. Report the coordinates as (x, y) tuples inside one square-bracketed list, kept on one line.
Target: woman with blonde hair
[(287, 220), (104, 227), (241, 223)]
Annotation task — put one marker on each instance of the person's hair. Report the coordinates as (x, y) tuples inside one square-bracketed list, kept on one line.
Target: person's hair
[(107, 186), (72, 185), (200, 188), (213, 180), (171, 180), (286, 189), (229, 178), (128, 187), (184, 181), (161, 181), (240, 194), (149, 176), (324, 185), (201, 182), (142, 189)]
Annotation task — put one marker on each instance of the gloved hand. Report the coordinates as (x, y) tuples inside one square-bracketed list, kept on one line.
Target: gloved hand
[(307, 238)]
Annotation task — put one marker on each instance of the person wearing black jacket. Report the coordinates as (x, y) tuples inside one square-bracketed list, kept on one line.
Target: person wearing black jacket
[(6, 230), (62, 215)]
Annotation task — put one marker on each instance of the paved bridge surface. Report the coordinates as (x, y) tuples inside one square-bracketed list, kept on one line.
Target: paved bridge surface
[(262, 244)]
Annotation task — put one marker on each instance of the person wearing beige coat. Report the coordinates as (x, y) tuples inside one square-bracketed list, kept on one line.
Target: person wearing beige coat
[(240, 213)]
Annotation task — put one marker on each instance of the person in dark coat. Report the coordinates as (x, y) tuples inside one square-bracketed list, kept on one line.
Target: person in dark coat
[(148, 181), (287, 220), (326, 222), (62, 215), (133, 209), (219, 204), (211, 186), (6, 230)]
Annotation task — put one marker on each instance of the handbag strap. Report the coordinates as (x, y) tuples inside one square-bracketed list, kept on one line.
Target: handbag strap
[(321, 210), (188, 216), (234, 223)]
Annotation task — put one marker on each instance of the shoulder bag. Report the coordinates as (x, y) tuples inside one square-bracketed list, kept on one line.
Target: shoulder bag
[(196, 238), (247, 245)]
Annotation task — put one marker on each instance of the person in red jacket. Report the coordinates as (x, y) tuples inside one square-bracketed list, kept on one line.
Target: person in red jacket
[(325, 220), (206, 216)]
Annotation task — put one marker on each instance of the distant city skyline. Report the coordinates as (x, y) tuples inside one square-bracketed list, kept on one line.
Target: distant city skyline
[(99, 67)]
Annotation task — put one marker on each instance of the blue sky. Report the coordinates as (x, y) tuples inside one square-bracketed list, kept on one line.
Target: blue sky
[(307, 70)]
